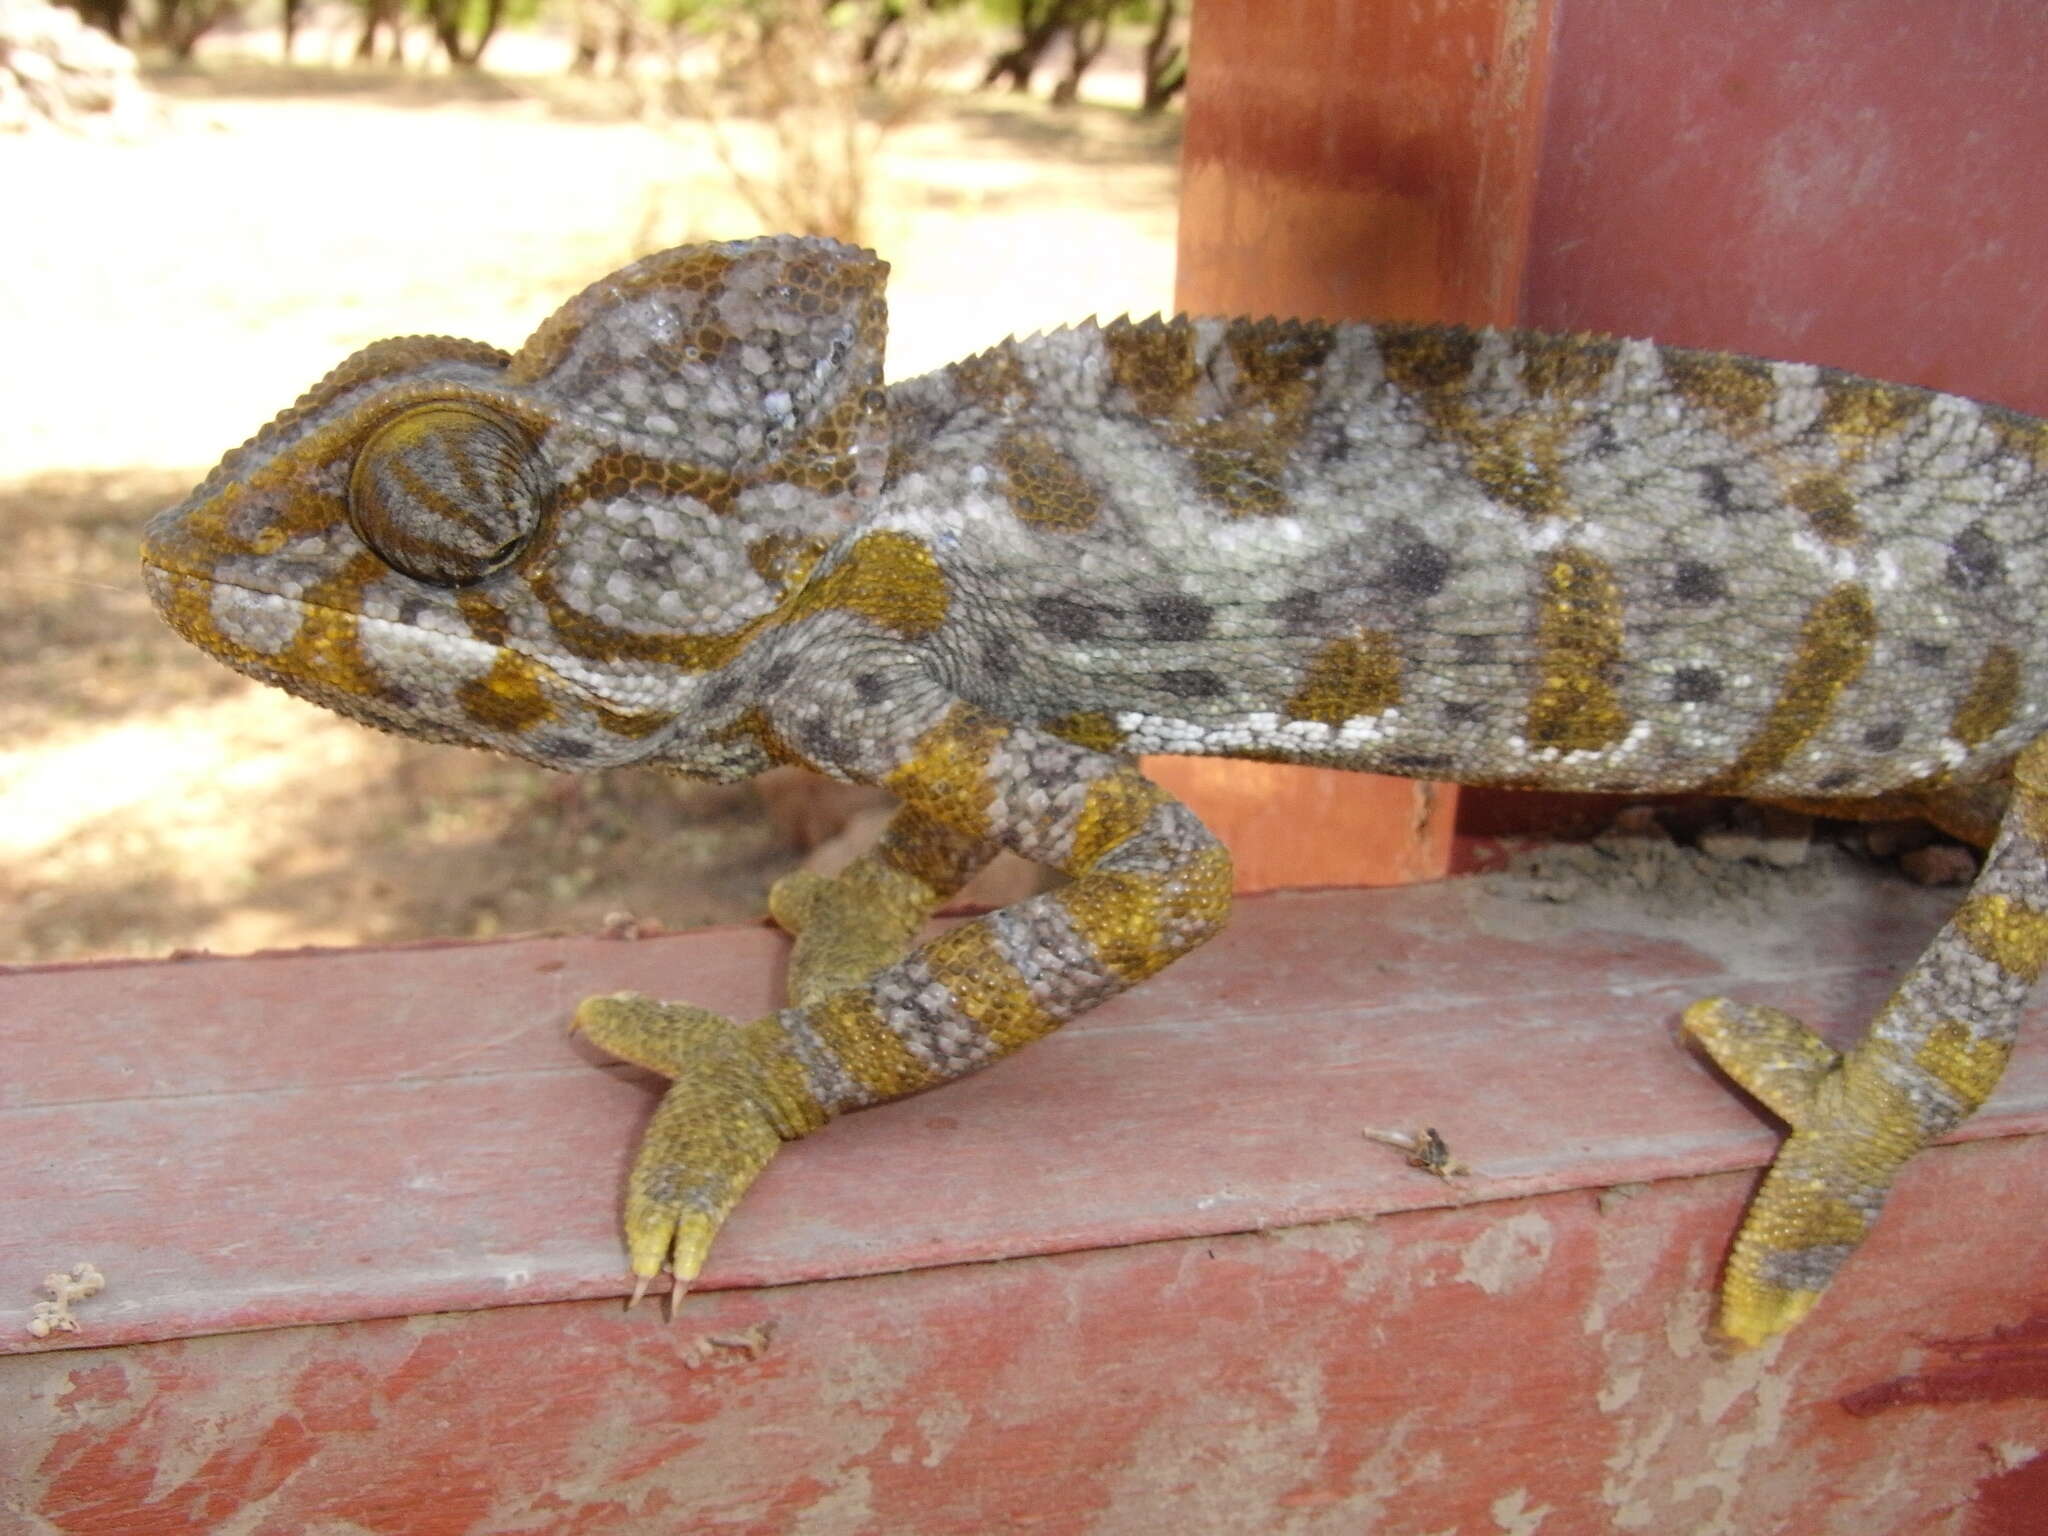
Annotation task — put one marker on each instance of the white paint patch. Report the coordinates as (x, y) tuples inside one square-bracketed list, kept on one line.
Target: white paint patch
[(1513, 1516), (1508, 1255)]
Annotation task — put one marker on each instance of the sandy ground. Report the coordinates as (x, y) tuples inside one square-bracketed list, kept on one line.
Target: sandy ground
[(161, 298)]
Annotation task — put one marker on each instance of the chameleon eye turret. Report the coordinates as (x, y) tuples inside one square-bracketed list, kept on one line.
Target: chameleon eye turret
[(447, 492)]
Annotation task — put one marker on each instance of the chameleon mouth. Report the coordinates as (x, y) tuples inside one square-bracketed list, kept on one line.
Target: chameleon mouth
[(326, 660)]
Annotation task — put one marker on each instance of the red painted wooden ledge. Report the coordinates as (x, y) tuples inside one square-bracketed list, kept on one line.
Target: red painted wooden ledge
[(327, 1138)]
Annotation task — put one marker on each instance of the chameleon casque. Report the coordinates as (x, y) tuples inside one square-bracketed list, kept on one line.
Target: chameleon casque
[(687, 525)]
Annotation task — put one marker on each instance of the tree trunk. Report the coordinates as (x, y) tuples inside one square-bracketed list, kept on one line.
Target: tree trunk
[(1166, 60)]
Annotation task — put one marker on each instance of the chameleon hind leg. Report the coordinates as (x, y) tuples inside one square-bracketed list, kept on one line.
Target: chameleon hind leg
[(874, 1019), (1933, 1054)]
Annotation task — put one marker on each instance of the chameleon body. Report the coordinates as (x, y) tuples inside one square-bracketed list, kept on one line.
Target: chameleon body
[(687, 525)]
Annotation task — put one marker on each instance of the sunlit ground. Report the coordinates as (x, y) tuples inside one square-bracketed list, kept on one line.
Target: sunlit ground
[(179, 290)]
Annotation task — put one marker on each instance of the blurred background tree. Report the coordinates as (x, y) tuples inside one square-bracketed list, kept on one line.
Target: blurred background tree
[(884, 34)]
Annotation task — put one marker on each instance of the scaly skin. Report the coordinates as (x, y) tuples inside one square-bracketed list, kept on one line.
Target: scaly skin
[(686, 525)]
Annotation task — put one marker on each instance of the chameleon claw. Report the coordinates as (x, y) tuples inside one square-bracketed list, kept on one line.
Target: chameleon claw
[(639, 1290)]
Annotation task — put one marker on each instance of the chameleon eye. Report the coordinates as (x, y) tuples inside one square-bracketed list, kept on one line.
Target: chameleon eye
[(446, 493)]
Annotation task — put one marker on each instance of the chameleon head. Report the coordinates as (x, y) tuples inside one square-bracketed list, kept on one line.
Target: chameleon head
[(552, 552)]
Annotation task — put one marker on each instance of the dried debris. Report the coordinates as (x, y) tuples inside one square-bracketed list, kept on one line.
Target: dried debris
[(1426, 1150), (54, 1315)]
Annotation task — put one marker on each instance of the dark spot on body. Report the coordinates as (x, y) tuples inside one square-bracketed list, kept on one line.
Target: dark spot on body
[(1464, 712), (999, 657), (721, 690), (1885, 737), (1841, 778), (1927, 653), (1176, 617), (778, 672), (1474, 648), (1695, 581), (1974, 560), (1418, 569), (1416, 762), (821, 743), (1695, 685), (1718, 489), (563, 746), (1192, 683), (869, 688), (1300, 612), (1068, 619)]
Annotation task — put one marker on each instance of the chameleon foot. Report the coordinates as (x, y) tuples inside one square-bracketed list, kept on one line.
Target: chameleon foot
[(736, 1098), (1851, 1130)]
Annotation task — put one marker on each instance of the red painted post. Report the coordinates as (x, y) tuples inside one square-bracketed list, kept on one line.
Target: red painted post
[(1347, 160)]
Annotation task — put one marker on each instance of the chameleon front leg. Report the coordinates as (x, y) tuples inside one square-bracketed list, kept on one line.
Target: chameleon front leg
[(850, 925), (1149, 883), (1933, 1054)]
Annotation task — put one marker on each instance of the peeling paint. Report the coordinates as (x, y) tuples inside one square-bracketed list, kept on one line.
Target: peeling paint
[(1508, 1255), (1513, 1516)]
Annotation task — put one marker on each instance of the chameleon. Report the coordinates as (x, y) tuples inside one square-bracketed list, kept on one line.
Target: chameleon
[(688, 524)]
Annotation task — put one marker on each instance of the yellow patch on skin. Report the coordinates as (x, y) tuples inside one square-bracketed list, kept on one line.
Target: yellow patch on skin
[(1350, 676), (986, 987), (486, 620), (947, 775), (890, 579), (633, 724), (1277, 360), (1858, 413), (753, 725), (1518, 460), (581, 635), (1575, 707), (2005, 931), (1564, 367), (618, 476), (1239, 465), (849, 1026), (918, 848), (1994, 694), (1518, 456), (1241, 458), (1089, 728), (508, 698), (1753, 1313), (1119, 915), (2017, 434), (1205, 885), (1968, 1067), (1829, 508), (1044, 487), (1427, 359), (1154, 363), (783, 560), (1834, 647), (1116, 809), (993, 378), (1739, 390)]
